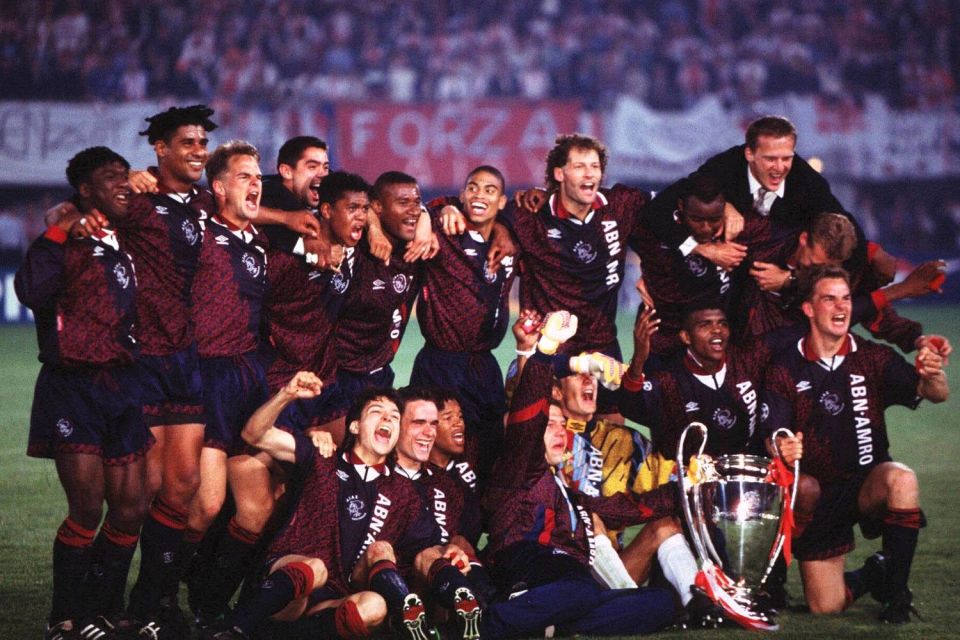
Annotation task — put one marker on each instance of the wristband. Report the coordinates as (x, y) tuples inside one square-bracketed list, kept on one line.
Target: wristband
[(527, 354)]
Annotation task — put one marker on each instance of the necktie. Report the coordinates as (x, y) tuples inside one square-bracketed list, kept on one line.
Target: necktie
[(760, 202)]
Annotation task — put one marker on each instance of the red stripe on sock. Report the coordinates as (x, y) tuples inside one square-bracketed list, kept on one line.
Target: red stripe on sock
[(301, 574), (73, 535), (907, 518), (119, 538), (380, 565), (168, 515), (237, 532), (438, 565), (348, 621)]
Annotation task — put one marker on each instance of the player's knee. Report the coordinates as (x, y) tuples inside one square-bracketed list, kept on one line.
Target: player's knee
[(665, 528), (372, 609), (808, 494), (86, 513), (127, 515), (902, 486), (319, 572), (379, 550), (425, 559), (179, 489), (254, 514)]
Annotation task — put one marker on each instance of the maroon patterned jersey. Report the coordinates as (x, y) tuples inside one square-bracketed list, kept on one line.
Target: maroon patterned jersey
[(228, 290), (82, 293), (527, 501), (300, 312), (376, 310), (463, 307), (162, 232), (442, 496), (566, 264), (334, 499), (838, 403)]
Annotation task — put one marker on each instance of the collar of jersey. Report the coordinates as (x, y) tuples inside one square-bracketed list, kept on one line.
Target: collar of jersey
[(558, 210), (361, 466), (849, 345)]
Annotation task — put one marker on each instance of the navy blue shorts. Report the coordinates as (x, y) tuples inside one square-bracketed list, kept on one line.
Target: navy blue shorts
[(88, 410), (830, 532), (300, 415), (350, 384), (172, 389), (233, 388)]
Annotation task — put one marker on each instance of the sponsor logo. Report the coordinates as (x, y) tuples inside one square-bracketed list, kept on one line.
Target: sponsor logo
[(356, 508), (120, 273), (554, 234), (803, 385), (98, 252), (379, 285), (471, 252), (161, 210), (861, 418), (222, 239), (831, 402), (691, 406), (342, 475)]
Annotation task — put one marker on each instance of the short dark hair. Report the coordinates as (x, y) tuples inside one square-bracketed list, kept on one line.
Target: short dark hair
[(808, 278), (339, 183), (360, 402), (492, 170), (773, 126), (220, 158), (443, 395), (388, 179), (695, 307), (412, 393), (81, 166), (292, 150), (557, 157), (163, 125), (703, 187), (835, 233)]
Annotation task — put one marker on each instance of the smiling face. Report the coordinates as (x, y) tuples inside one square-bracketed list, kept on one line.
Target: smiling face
[(771, 161), (377, 430), (348, 217), (451, 433), (579, 180), (108, 190), (706, 332), (579, 396), (181, 160), (418, 431), (482, 199), (399, 210), (828, 308), (238, 190), (304, 178), (555, 436)]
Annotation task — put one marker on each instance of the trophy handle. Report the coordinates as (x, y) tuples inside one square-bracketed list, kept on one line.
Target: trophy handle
[(781, 538), (685, 488)]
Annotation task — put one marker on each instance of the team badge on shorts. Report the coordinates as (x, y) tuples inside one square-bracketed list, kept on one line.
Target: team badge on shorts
[(64, 428)]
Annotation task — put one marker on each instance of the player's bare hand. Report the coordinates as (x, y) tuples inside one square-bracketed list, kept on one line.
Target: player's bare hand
[(452, 221), (143, 182), (457, 557), (884, 266), (323, 441), (526, 329), (645, 296), (422, 250), (88, 224), (303, 223), (938, 344), (926, 278), (726, 255), (732, 222), (530, 200), (501, 246), (791, 449), (380, 245), (64, 213), (769, 276), (304, 385), (328, 255), (646, 324)]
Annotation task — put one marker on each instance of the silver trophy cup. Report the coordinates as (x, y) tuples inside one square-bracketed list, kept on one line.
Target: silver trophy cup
[(733, 511)]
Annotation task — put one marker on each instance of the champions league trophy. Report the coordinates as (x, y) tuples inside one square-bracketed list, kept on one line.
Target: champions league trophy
[(739, 511)]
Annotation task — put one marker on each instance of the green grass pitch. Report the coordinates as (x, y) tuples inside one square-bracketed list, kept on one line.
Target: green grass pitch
[(32, 504)]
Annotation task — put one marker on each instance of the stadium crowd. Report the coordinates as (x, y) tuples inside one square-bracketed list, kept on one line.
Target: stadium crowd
[(669, 54), (217, 372)]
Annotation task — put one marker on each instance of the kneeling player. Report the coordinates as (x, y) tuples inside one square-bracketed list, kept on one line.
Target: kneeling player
[(86, 413), (833, 388)]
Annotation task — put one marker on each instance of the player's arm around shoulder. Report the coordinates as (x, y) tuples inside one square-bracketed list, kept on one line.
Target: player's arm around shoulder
[(260, 431)]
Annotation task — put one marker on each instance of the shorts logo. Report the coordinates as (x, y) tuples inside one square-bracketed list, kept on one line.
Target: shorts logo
[(356, 508), (168, 557), (123, 278), (400, 283), (339, 282), (64, 428), (189, 232), (584, 252), (696, 266), (253, 268), (724, 418), (831, 402)]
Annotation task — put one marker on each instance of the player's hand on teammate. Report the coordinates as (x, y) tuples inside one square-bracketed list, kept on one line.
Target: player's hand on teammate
[(501, 246), (646, 324), (452, 221), (526, 329), (791, 449), (323, 441), (645, 296), (557, 328), (726, 255), (303, 386), (769, 276), (64, 213), (457, 557), (324, 254), (422, 249), (530, 200), (606, 370), (380, 245), (303, 222), (732, 222), (88, 224), (142, 181)]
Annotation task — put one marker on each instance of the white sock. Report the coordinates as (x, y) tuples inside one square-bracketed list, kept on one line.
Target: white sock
[(678, 564), (608, 565)]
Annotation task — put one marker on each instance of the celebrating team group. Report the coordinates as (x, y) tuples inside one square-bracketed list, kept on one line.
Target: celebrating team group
[(216, 370)]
